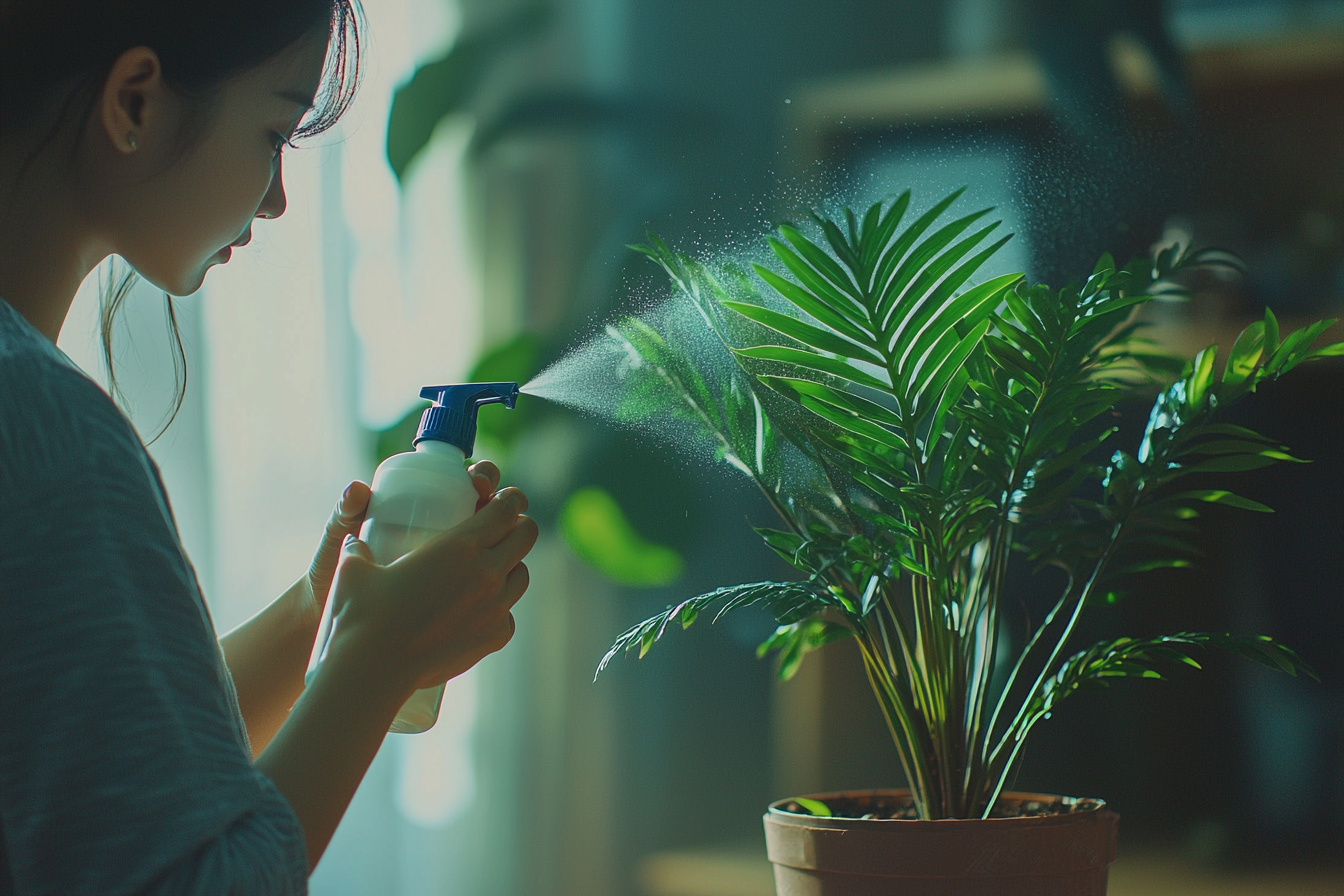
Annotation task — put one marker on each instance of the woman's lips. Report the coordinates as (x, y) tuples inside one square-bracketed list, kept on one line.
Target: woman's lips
[(227, 252)]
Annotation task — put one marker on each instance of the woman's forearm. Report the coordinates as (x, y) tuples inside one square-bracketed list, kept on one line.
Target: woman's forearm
[(319, 756), (267, 657), (431, 615), (268, 654)]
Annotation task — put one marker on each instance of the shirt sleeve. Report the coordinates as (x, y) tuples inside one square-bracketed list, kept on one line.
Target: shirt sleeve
[(122, 769)]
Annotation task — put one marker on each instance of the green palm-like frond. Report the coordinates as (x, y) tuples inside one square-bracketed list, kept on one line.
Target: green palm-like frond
[(880, 316), (950, 426), (790, 602)]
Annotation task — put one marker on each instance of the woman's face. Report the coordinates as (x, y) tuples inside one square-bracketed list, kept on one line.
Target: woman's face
[(171, 208)]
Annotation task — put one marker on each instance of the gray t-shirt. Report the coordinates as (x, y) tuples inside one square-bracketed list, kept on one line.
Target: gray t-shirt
[(124, 764)]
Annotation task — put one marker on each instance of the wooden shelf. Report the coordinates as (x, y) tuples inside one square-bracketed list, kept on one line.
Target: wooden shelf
[(1014, 83)]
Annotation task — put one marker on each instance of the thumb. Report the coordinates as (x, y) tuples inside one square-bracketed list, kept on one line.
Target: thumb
[(345, 520)]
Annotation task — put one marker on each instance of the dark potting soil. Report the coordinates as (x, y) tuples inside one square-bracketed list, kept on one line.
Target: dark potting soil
[(881, 806)]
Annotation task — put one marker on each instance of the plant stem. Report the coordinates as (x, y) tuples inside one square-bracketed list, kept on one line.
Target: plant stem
[(1063, 639)]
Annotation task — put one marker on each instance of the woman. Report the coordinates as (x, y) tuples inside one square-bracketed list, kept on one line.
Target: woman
[(138, 752)]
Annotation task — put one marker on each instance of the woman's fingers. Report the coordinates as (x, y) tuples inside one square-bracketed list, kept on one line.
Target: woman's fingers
[(515, 584), (493, 522), (505, 635), (516, 545), (345, 520), (485, 476), (435, 612)]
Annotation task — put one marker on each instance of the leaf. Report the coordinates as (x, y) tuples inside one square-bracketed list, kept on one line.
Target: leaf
[(1201, 377), (931, 391), (846, 401), (967, 309), (896, 301), (1231, 429), (956, 388), (1102, 309), (1025, 316), (816, 807), (1271, 341), (1245, 355), (1333, 350), (1220, 496), (1134, 658), (814, 337), (596, 529), (793, 643), (1296, 348), (1162, 563), (935, 285), (892, 253), (821, 263), (446, 85), (839, 244), (811, 304), (1232, 463), (787, 545), (861, 427), (789, 602), (834, 290), (812, 361), (871, 594)]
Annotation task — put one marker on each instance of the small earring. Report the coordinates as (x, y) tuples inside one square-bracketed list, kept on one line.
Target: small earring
[(130, 140)]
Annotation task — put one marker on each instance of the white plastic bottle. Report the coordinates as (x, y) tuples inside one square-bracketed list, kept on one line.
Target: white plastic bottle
[(417, 495)]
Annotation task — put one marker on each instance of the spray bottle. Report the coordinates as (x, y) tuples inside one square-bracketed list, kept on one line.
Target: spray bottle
[(417, 495)]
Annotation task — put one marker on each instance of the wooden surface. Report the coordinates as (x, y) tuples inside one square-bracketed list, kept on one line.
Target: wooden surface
[(747, 873)]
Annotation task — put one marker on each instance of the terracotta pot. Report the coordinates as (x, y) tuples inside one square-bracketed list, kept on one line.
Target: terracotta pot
[(1045, 855)]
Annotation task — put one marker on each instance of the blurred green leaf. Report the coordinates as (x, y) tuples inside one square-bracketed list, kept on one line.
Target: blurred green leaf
[(399, 436), (446, 85), (597, 530), (514, 361)]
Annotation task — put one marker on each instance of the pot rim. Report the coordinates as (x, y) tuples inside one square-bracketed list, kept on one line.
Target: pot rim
[(780, 815)]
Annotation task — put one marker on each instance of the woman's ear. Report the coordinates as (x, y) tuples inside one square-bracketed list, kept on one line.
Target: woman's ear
[(131, 105)]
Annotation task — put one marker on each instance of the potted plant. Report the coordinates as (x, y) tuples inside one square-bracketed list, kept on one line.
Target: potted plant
[(917, 438)]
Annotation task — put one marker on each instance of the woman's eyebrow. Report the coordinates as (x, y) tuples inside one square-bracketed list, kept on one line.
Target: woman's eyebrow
[(296, 96)]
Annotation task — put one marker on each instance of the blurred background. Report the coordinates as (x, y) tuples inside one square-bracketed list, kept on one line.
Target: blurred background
[(469, 219)]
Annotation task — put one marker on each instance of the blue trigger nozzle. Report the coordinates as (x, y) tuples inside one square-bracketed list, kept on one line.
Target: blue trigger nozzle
[(452, 417)]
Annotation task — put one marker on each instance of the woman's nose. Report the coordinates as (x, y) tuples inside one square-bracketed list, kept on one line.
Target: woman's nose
[(273, 203)]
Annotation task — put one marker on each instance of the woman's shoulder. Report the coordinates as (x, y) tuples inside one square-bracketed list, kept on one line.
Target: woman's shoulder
[(50, 411)]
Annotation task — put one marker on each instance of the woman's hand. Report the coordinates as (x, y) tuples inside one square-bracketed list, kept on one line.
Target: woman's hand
[(345, 520), (435, 612), (485, 476), (417, 622)]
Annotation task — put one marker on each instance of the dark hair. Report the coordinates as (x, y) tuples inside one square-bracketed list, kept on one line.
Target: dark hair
[(61, 51)]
